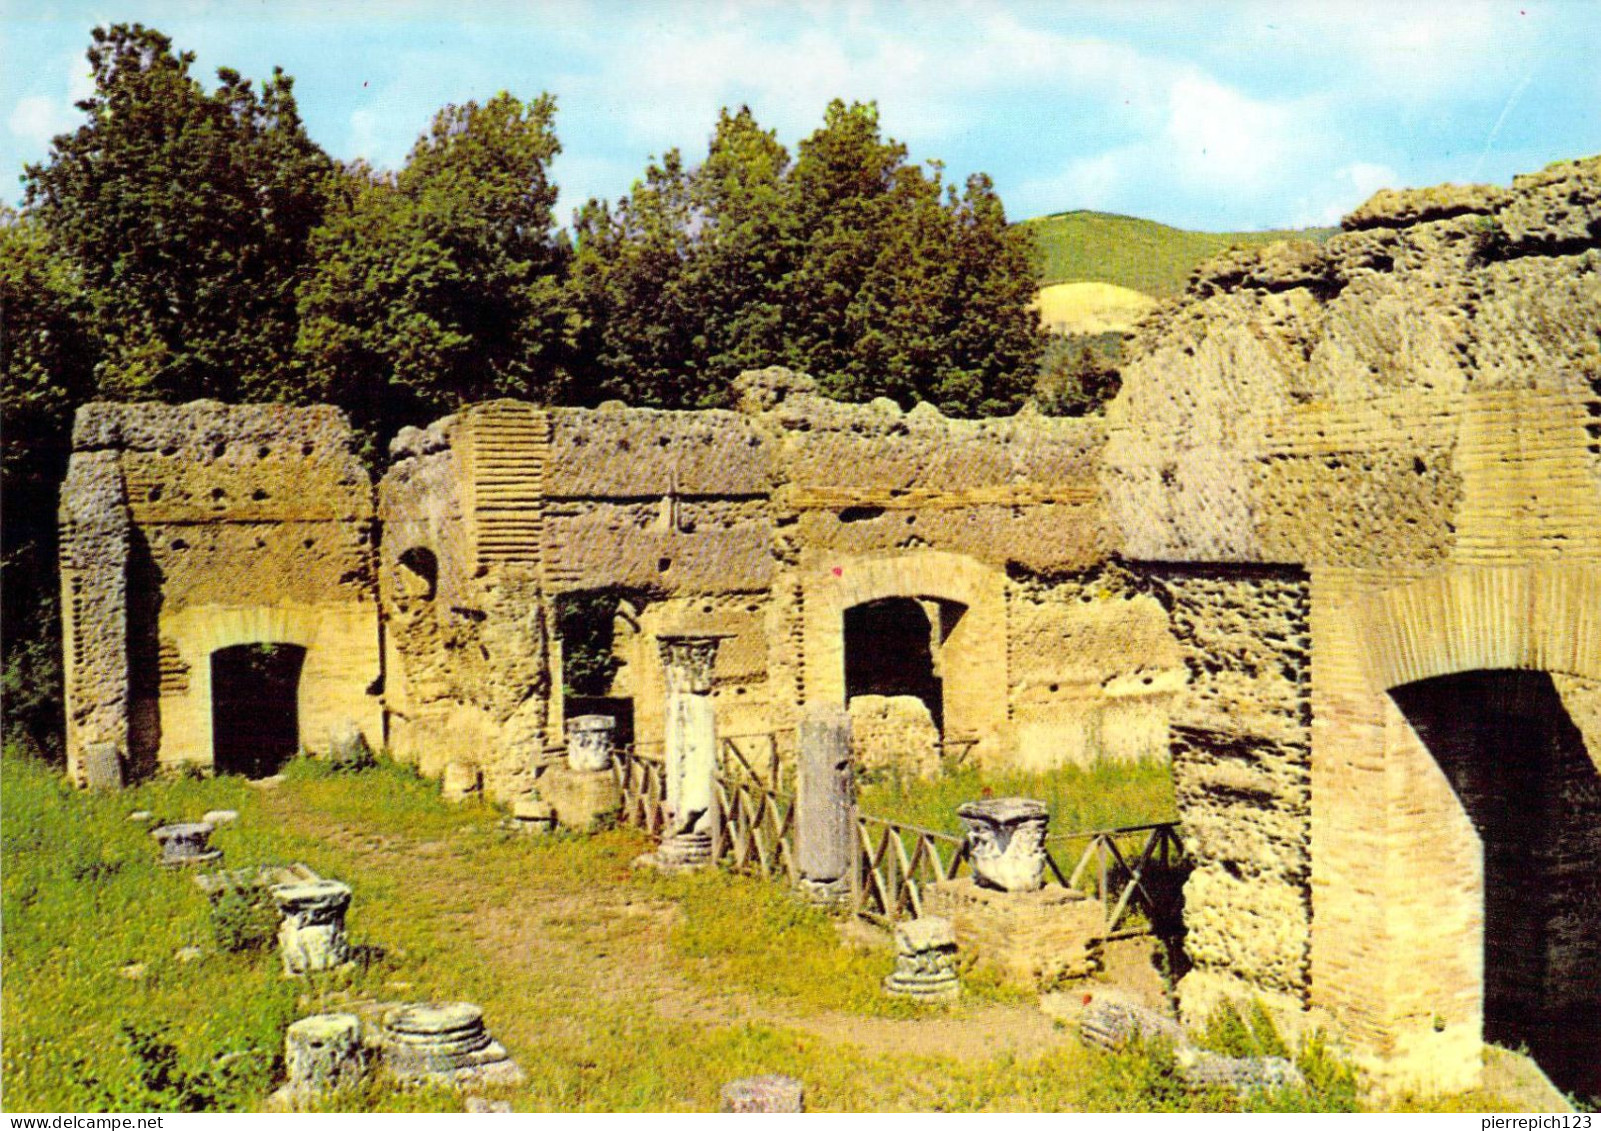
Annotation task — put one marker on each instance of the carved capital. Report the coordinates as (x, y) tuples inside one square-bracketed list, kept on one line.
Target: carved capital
[(688, 659)]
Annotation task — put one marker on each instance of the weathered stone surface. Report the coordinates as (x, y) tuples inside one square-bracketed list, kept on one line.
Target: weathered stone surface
[(1110, 1023), (1031, 938), (1006, 840), (220, 816), (925, 961), (688, 663), (444, 1042), (462, 781), (764, 1094), (581, 799), (894, 733), (589, 742), (347, 746), (102, 766), (323, 1053), (1401, 208), (186, 844), (311, 937), (1238, 1074), (825, 804)]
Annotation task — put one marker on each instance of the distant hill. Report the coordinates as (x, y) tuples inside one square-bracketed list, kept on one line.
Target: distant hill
[(1142, 255)]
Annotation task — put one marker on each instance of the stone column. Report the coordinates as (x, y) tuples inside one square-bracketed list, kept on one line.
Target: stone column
[(323, 1053), (312, 935), (693, 820), (825, 804), (590, 739)]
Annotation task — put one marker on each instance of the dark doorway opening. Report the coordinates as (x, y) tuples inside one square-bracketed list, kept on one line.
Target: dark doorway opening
[(889, 650), (255, 712), (617, 707), (1520, 768)]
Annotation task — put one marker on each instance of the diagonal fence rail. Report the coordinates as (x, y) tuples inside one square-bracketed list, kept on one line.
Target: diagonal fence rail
[(1137, 873)]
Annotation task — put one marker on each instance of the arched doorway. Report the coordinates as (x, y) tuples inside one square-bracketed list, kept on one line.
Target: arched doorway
[(1519, 767), (892, 647), (255, 707)]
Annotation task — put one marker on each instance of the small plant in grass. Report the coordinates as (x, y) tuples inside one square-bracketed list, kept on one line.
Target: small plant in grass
[(243, 919)]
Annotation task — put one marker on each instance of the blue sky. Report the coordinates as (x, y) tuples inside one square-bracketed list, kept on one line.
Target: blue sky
[(1216, 116)]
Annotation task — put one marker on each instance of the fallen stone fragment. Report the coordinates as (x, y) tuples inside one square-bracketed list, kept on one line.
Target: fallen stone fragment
[(765, 1094)]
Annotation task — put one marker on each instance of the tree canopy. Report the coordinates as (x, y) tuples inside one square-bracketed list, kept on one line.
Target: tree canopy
[(444, 284), (847, 262), (186, 214)]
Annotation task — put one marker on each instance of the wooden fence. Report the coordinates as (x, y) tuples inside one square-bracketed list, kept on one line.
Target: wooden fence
[(1137, 873)]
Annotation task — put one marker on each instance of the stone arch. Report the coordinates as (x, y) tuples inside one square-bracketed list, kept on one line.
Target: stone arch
[(1403, 678), (1540, 618), (973, 654), (338, 678)]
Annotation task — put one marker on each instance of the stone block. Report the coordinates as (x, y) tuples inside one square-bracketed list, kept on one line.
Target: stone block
[(925, 961), (1031, 938), (461, 782), (102, 766), (764, 1094), (581, 799), (323, 1053)]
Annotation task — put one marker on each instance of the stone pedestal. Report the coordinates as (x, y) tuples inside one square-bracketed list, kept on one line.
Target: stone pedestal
[(311, 937), (590, 739), (444, 1042), (185, 844), (693, 820), (825, 805), (102, 766), (461, 781), (1031, 938), (323, 1053), (581, 799), (1006, 837), (764, 1094), (925, 961)]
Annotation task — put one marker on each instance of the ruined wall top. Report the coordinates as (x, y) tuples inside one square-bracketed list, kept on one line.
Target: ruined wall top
[(209, 461), (1425, 386)]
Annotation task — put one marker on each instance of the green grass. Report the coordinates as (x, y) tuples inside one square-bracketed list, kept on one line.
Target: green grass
[(1101, 247), (615, 989), (1081, 799)]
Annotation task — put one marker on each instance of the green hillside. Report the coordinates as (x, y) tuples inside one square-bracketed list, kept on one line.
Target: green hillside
[(1100, 247)]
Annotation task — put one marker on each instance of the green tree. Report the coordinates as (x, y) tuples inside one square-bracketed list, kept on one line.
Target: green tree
[(443, 285), (187, 215), (848, 262), (47, 358)]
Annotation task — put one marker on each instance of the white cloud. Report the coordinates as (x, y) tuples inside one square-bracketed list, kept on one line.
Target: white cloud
[(37, 118)]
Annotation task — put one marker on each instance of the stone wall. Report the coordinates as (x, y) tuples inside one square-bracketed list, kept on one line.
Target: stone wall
[(1410, 416), (189, 529)]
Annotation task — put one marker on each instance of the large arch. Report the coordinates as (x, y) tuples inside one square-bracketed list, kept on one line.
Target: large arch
[(339, 677), (1399, 850), (973, 655)]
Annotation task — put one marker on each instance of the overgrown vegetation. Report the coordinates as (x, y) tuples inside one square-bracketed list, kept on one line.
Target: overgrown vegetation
[(1081, 798), (616, 989), (1143, 255)]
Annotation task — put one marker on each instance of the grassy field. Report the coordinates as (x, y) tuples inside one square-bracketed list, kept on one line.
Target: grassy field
[(1142, 255), (1081, 799), (615, 989)]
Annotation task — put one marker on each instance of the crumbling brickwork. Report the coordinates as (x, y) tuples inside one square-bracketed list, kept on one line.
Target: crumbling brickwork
[(1335, 475), (195, 528)]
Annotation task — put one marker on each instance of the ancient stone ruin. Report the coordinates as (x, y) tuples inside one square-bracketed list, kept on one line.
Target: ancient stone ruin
[(1336, 547)]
